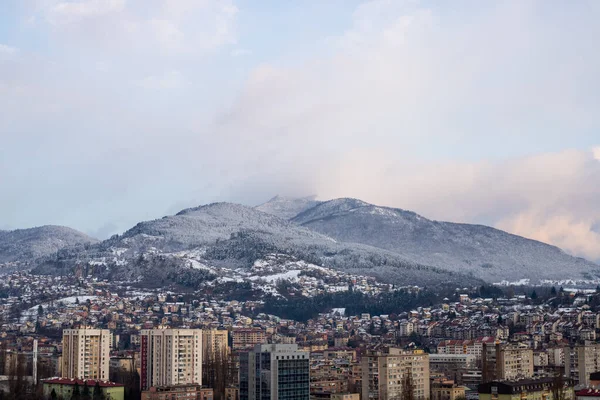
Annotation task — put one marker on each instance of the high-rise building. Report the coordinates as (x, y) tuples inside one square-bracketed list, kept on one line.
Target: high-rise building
[(215, 343), (387, 374), (170, 357), (275, 371), (86, 353), (581, 361), (513, 362)]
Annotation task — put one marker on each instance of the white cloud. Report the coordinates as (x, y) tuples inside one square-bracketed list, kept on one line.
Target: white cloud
[(7, 51), (170, 80), (76, 11), (240, 52)]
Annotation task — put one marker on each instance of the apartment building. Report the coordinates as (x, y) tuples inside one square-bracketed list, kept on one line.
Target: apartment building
[(514, 362), (581, 361), (247, 338), (170, 357), (385, 374), (275, 371), (215, 343), (86, 353)]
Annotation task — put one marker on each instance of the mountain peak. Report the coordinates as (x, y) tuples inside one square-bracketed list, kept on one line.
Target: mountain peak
[(287, 207)]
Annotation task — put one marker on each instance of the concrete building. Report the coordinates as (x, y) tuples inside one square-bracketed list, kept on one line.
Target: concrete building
[(215, 343), (530, 389), (447, 390), (581, 361), (385, 374), (170, 357), (514, 362), (453, 365), (63, 387), (275, 371), (179, 392), (247, 338), (86, 353)]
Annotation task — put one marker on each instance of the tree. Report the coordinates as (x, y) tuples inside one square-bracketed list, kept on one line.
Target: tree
[(98, 393), (76, 392), (534, 295), (86, 394), (40, 310), (553, 291), (76, 300), (53, 395), (408, 386), (558, 387)]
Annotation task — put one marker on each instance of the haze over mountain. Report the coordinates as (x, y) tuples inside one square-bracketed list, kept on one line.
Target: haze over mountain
[(287, 207)]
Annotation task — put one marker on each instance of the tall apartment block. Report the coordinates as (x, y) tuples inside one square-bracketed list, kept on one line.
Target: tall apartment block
[(581, 361), (86, 353), (215, 343), (386, 374), (513, 362), (170, 357), (275, 371)]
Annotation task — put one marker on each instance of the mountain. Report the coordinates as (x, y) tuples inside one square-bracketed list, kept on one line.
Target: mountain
[(201, 243), (481, 251), (33, 243), (287, 207)]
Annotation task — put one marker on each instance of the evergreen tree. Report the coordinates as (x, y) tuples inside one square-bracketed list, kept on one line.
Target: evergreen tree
[(534, 295), (553, 291), (86, 394), (98, 394), (40, 310), (76, 392), (53, 395)]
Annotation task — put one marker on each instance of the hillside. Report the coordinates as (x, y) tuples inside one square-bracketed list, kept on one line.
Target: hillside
[(29, 244), (481, 251), (221, 237)]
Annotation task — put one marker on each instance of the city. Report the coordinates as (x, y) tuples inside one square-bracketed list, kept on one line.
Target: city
[(93, 338)]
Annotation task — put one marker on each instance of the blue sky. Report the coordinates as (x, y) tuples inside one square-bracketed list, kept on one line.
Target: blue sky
[(115, 111)]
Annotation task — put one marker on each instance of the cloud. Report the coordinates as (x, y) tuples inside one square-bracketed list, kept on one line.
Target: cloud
[(170, 80), (240, 52), (76, 11), (7, 51), (597, 153), (458, 112)]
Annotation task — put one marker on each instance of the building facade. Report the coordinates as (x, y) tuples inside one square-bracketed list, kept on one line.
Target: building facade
[(170, 357), (86, 353), (386, 374), (64, 387), (179, 392), (275, 371)]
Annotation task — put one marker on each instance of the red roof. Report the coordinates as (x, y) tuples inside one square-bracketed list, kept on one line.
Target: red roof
[(80, 382), (588, 393)]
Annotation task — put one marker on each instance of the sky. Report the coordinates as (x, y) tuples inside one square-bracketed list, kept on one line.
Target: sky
[(117, 111)]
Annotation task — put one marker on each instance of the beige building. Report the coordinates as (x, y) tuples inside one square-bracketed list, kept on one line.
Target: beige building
[(581, 361), (447, 390), (180, 392), (215, 342), (345, 396), (170, 357), (386, 374), (513, 362), (86, 353), (247, 338)]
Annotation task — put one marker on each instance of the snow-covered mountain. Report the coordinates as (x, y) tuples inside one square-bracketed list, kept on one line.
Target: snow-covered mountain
[(287, 207), (231, 236), (484, 252), (29, 244)]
